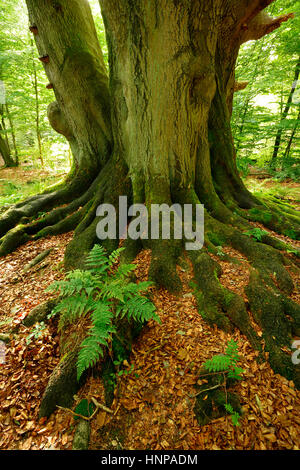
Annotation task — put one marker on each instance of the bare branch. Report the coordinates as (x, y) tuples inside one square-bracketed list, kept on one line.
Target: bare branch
[(261, 25)]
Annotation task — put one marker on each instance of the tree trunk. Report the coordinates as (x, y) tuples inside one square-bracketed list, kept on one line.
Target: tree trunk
[(5, 151), (4, 130), (13, 135), (4, 143), (284, 115), (160, 133)]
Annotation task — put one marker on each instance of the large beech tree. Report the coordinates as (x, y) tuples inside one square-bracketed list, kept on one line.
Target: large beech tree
[(156, 128)]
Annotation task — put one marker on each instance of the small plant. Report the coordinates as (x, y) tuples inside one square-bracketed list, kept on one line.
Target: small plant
[(227, 364), (256, 233), (235, 416), (102, 294), (36, 332), (122, 371), (220, 252)]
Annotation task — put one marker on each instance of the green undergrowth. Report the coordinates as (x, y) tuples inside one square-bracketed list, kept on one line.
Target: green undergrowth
[(12, 191), (274, 189)]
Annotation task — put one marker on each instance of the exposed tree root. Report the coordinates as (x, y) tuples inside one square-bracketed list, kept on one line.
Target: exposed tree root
[(62, 385)]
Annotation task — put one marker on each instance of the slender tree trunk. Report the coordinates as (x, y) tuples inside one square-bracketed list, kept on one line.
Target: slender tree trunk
[(284, 115), (5, 133), (13, 135), (5, 151), (4, 142), (160, 133), (291, 138), (37, 105)]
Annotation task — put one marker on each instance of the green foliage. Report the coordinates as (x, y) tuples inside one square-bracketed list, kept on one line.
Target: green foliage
[(289, 172), (256, 233), (242, 164), (84, 408), (12, 192), (220, 252), (273, 189), (268, 65), (291, 234), (226, 362), (104, 293)]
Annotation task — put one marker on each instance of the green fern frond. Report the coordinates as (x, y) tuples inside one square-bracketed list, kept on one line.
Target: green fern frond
[(235, 416), (232, 351), (102, 295), (218, 363), (102, 313), (226, 362), (97, 261), (71, 308), (75, 282), (92, 347), (114, 256), (124, 270), (139, 309)]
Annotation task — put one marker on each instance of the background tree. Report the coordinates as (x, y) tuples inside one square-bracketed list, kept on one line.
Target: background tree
[(269, 67), (285, 114), (18, 59)]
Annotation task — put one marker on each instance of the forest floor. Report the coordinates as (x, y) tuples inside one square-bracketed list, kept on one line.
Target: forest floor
[(154, 399), (24, 181)]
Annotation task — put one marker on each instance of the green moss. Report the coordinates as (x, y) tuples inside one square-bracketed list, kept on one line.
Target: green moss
[(216, 239), (163, 264), (260, 215), (14, 238), (218, 305)]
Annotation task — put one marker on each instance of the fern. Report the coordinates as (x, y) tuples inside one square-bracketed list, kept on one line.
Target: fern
[(103, 296), (226, 362), (219, 363)]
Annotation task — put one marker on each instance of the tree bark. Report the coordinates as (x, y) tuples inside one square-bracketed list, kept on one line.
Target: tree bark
[(5, 151), (284, 115), (13, 135), (37, 106), (4, 143), (66, 34)]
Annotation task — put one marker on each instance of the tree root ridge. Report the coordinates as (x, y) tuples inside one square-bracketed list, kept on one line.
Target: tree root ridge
[(269, 287), (268, 290)]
